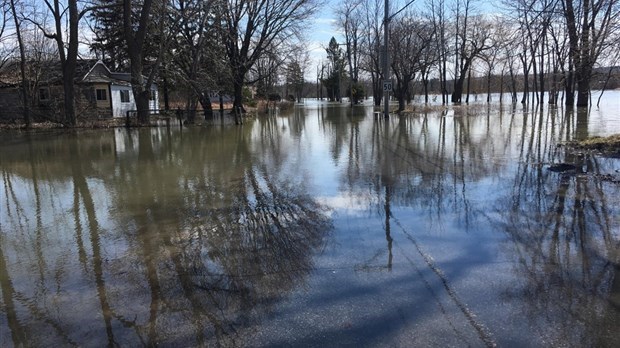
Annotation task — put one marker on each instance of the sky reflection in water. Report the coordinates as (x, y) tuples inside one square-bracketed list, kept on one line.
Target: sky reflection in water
[(322, 226)]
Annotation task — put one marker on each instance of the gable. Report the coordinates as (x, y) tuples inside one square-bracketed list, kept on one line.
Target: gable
[(98, 73)]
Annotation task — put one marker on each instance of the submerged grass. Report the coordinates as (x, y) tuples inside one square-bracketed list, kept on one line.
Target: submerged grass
[(609, 146)]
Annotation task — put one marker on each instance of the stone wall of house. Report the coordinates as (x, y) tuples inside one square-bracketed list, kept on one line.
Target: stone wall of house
[(11, 109), (86, 105)]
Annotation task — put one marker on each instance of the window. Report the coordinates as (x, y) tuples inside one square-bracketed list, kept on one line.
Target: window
[(44, 94), (124, 96), (153, 95), (102, 94)]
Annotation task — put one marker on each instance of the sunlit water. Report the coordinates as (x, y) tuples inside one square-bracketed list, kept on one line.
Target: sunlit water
[(319, 227)]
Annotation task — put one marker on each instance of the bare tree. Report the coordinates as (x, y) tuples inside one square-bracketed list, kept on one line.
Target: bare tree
[(250, 27), (371, 45), (431, 56), (561, 62), (350, 21), (22, 64), (266, 72), (473, 38), (6, 50), (589, 24), (411, 36), (491, 56), (135, 34), (197, 55), (440, 24), (66, 15)]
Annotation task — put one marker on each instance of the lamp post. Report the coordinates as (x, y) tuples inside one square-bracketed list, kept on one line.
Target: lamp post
[(387, 82)]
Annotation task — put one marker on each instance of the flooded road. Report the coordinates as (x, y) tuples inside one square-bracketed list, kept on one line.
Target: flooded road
[(319, 227)]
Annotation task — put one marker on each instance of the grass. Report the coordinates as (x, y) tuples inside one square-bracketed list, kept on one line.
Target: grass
[(607, 145)]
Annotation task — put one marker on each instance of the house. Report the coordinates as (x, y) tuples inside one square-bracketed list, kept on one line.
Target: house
[(99, 92)]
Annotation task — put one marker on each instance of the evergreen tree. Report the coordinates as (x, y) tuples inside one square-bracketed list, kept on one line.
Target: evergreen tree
[(336, 70), (109, 44)]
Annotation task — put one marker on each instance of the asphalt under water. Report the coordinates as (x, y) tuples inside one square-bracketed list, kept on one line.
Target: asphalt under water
[(324, 226)]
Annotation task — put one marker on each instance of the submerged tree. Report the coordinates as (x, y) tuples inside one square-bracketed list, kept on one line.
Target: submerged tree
[(350, 21), (66, 17), (335, 73), (22, 64), (197, 59), (473, 36), (295, 71), (589, 25), (370, 45), (411, 36), (135, 35), (250, 27)]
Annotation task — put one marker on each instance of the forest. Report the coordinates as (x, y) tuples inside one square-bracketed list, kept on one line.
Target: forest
[(537, 51)]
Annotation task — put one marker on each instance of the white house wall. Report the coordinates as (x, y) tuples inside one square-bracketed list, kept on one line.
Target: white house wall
[(120, 109), (154, 104)]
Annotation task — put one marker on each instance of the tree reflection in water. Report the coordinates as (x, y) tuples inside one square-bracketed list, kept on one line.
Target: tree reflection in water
[(189, 249), (194, 237), (561, 226)]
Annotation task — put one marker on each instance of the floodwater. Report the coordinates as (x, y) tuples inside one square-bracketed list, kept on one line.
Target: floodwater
[(319, 227)]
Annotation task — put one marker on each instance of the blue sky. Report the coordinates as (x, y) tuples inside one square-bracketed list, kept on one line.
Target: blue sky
[(321, 31), (323, 27)]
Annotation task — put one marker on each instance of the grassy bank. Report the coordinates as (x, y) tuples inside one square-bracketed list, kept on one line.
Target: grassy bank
[(608, 146)]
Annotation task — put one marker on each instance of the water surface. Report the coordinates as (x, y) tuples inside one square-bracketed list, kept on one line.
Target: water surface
[(319, 227)]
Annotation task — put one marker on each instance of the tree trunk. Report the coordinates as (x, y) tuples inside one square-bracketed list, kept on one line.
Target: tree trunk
[(142, 106), (583, 92), (457, 94), (376, 91), (526, 71), (401, 102), (489, 87), (468, 86), (542, 70), (68, 58), (207, 108), (166, 95), (135, 38), (22, 67), (191, 110), (69, 97), (513, 84), (238, 92), (501, 86), (570, 92)]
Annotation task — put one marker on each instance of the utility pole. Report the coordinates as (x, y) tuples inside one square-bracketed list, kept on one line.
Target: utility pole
[(387, 85)]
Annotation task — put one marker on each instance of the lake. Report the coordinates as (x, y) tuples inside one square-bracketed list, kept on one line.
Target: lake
[(321, 226)]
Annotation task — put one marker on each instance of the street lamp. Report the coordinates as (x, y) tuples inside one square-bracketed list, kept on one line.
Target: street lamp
[(387, 82)]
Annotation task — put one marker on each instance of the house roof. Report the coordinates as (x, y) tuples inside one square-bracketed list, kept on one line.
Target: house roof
[(50, 72)]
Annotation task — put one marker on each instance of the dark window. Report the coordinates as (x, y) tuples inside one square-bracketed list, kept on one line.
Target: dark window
[(124, 96), (102, 94), (153, 95), (44, 94)]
